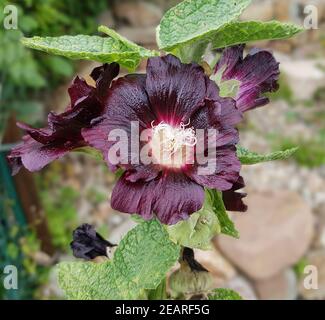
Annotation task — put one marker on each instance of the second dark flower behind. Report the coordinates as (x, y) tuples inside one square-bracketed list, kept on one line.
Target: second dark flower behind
[(63, 133)]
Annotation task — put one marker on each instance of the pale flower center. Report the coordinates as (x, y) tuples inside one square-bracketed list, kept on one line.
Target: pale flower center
[(172, 146)]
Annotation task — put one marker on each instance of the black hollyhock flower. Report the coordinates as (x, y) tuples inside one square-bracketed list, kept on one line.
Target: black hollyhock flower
[(63, 133), (170, 96), (88, 244), (258, 73)]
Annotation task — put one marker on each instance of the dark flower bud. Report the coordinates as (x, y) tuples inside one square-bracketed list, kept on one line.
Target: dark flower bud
[(88, 244), (188, 258), (190, 279)]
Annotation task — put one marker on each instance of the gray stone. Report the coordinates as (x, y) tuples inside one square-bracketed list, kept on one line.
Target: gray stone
[(282, 286), (242, 286), (259, 10), (141, 35), (274, 233), (219, 267), (138, 13)]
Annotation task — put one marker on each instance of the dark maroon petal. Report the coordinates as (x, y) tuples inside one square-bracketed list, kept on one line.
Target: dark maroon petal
[(97, 137), (258, 73), (78, 90), (63, 132), (225, 172), (127, 101), (34, 155), (233, 200), (103, 77), (171, 197), (175, 90), (218, 112), (142, 172)]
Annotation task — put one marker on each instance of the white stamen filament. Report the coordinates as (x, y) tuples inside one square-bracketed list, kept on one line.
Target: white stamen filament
[(172, 139)]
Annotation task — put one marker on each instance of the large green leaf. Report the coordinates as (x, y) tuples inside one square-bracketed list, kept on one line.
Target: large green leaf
[(104, 50), (248, 157), (246, 31), (193, 20), (140, 263), (226, 224), (199, 229), (224, 294)]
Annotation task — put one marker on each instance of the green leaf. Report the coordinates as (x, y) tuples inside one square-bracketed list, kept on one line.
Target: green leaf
[(224, 294), (144, 53), (193, 20), (248, 157), (140, 263), (229, 88), (226, 224), (243, 32), (104, 50), (159, 293), (199, 229)]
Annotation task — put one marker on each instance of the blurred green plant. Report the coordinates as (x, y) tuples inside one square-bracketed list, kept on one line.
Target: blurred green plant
[(61, 214), (311, 153), (21, 249), (26, 75), (284, 93)]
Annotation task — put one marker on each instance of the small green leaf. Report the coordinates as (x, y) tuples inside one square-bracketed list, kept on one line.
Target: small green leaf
[(140, 263), (104, 50), (246, 31), (229, 88), (248, 157), (224, 294), (199, 229), (193, 20), (226, 224)]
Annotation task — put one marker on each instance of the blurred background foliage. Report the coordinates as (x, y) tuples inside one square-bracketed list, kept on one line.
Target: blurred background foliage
[(27, 75)]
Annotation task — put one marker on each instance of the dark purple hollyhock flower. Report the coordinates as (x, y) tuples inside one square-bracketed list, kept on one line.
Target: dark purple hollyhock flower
[(233, 200), (171, 100), (63, 133), (257, 73), (88, 244)]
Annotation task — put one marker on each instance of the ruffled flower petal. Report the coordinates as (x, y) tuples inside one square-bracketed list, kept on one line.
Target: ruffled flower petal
[(63, 133), (127, 101), (171, 197), (258, 73), (223, 172), (233, 200), (175, 90)]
